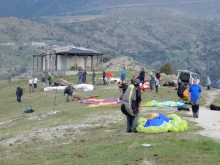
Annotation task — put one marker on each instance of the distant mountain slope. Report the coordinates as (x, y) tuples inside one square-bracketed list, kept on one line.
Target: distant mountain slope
[(152, 38), (203, 9)]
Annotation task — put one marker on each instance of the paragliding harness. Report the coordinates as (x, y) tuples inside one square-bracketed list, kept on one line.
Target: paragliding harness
[(68, 90), (180, 90), (214, 107), (29, 110), (128, 102)]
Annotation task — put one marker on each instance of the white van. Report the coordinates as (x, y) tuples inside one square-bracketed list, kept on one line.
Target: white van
[(187, 77)]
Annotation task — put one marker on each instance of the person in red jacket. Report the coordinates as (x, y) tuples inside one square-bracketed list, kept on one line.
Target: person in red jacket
[(108, 76)]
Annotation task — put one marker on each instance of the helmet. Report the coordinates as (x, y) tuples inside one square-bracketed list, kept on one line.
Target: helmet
[(136, 81)]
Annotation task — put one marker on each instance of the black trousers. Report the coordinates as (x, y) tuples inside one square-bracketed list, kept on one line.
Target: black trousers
[(19, 98)]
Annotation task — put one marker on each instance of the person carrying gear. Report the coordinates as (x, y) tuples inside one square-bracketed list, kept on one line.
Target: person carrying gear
[(180, 90), (130, 105)]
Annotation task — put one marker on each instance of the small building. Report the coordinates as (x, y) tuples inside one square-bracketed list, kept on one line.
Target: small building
[(65, 59)]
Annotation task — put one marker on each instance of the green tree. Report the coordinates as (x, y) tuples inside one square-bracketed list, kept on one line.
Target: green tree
[(106, 58), (167, 68)]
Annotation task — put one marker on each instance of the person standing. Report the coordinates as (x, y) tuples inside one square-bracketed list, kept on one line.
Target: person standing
[(93, 77), (158, 75), (103, 76), (50, 80), (122, 87), (84, 76), (123, 75), (108, 76), (208, 82), (142, 76), (19, 93), (80, 76), (195, 95), (130, 105), (35, 82), (151, 82), (180, 90), (157, 84), (43, 82), (30, 82)]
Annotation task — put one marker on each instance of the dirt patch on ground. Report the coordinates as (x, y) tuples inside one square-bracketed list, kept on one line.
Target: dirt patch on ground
[(71, 131), (209, 119)]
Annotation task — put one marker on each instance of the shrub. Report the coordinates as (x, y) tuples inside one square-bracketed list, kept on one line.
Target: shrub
[(106, 58), (167, 68)]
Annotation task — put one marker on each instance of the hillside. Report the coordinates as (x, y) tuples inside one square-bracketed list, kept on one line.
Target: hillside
[(154, 38), (151, 38)]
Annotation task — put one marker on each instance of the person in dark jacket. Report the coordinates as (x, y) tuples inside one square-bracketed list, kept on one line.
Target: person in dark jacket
[(158, 75), (93, 77), (103, 77), (135, 104), (180, 90), (19, 93), (69, 91), (152, 81), (122, 87), (142, 76), (43, 82), (84, 73), (80, 76)]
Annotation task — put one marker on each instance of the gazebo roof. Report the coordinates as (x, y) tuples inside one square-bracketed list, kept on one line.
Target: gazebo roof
[(70, 50)]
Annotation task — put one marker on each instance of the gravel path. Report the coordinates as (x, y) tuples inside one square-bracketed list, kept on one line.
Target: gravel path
[(209, 119)]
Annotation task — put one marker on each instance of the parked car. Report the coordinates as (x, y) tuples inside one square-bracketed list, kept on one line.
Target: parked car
[(216, 84), (187, 77)]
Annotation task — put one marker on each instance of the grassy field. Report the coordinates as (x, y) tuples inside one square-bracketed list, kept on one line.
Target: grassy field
[(92, 136)]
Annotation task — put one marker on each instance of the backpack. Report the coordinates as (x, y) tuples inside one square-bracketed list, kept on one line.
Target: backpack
[(29, 110), (67, 90), (128, 98), (180, 90), (19, 91)]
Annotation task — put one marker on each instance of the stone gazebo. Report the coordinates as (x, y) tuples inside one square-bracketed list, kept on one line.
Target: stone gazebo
[(64, 60)]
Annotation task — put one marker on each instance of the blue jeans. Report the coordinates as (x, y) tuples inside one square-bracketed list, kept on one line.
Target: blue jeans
[(132, 123)]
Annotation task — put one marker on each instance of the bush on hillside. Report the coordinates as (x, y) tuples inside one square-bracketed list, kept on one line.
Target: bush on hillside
[(106, 58), (167, 68)]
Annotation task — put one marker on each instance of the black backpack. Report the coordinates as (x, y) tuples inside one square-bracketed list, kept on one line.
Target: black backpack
[(180, 89)]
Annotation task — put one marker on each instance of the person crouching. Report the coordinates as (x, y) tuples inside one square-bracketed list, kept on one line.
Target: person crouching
[(69, 92)]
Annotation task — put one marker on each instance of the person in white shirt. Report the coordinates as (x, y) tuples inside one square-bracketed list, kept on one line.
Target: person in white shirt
[(30, 81), (35, 82)]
